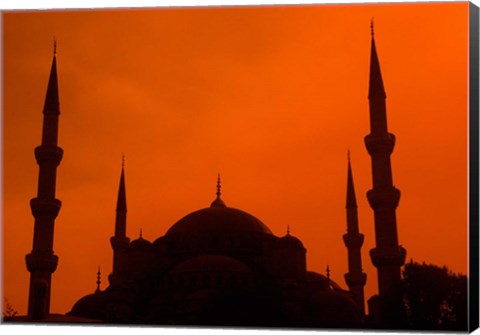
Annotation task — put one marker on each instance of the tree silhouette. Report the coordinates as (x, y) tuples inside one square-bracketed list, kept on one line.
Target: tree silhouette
[(9, 312), (435, 298)]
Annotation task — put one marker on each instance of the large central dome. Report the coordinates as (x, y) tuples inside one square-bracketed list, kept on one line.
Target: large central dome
[(219, 219)]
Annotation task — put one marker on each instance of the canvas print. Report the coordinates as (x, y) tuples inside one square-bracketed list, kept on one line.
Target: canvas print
[(296, 167)]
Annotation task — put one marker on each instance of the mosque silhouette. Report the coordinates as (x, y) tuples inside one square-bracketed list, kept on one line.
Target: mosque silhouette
[(221, 266)]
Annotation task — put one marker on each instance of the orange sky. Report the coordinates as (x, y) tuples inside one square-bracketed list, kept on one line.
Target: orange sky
[(270, 97)]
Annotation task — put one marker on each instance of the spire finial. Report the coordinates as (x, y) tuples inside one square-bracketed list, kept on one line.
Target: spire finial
[(218, 202), (288, 229), (348, 155), (54, 45), (123, 160), (98, 279), (328, 272), (372, 32), (219, 186)]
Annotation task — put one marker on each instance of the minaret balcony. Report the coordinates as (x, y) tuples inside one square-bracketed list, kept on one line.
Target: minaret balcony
[(387, 256), (44, 153), (355, 279), (43, 206), (41, 262), (380, 143), (353, 240), (384, 198)]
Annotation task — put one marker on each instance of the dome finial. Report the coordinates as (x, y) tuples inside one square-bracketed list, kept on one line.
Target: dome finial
[(141, 235), (288, 229), (328, 272), (98, 280), (219, 186), (218, 202)]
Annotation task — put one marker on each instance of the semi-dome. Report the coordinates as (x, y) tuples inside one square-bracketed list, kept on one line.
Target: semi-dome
[(219, 219)]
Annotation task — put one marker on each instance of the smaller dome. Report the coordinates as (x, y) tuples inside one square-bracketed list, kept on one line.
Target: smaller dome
[(90, 306), (140, 244), (290, 242)]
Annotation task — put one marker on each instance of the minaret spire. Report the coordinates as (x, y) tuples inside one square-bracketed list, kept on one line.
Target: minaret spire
[(355, 277), (376, 92), (41, 261), (121, 198), (351, 198), (388, 256), (120, 240)]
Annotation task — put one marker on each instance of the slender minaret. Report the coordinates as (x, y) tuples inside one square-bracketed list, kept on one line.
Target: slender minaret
[(355, 277), (41, 261), (387, 256), (120, 240)]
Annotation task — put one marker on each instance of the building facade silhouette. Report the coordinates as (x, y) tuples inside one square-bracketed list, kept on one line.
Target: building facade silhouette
[(216, 266), (221, 266)]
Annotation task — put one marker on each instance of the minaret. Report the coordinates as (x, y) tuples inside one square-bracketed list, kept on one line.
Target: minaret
[(120, 240), (355, 277), (387, 256), (41, 261)]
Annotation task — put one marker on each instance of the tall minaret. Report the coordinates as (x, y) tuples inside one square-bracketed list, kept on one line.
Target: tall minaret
[(387, 256), (41, 262), (355, 277), (120, 240)]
